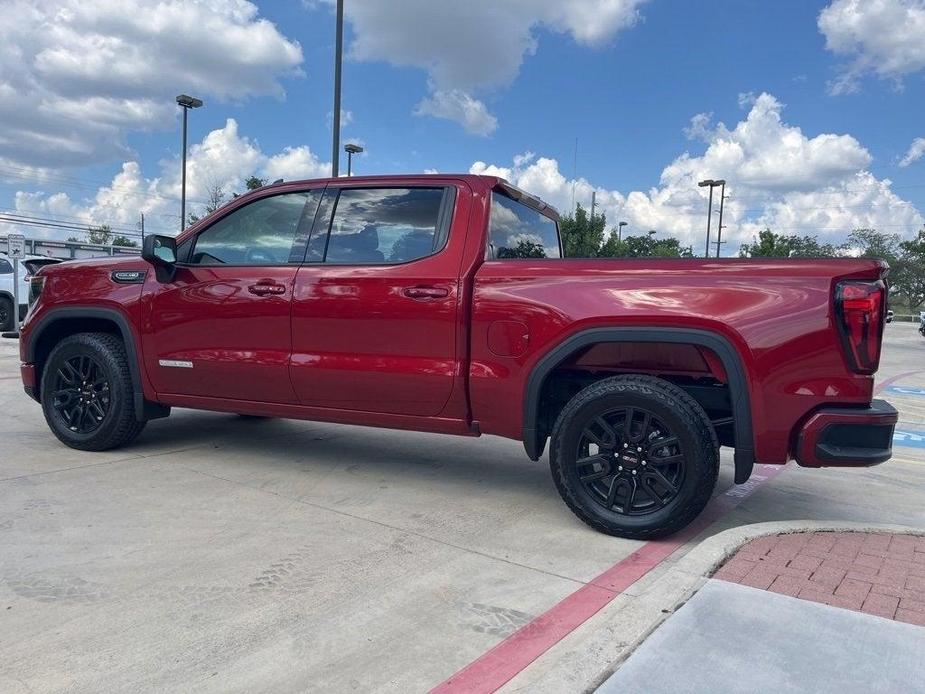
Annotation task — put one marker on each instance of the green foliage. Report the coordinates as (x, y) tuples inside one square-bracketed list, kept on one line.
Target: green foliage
[(253, 183), (582, 235), (873, 244), (124, 241), (524, 249), (101, 235), (908, 272), (771, 245), (646, 246)]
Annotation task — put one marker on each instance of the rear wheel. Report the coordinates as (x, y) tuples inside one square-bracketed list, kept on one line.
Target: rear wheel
[(634, 456), (87, 393), (6, 314)]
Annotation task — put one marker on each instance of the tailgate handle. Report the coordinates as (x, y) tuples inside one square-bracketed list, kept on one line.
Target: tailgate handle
[(425, 292)]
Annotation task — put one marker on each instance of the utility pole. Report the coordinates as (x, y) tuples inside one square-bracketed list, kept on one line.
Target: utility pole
[(719, 231), (338, 59), (142, 228), (593, 203), (703, 184)]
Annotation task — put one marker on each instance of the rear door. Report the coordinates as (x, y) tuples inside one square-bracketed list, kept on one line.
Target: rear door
[(376, 307), (221, 328)]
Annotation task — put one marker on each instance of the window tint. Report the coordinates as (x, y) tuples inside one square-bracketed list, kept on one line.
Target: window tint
[(518, 231), (261, 233), (5, 267), (385, 225)]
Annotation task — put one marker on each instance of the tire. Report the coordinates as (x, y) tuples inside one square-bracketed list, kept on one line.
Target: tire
[(626, 488), (6, 314), (106, 406)]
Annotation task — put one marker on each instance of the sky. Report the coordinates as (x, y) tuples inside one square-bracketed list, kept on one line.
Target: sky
[(812, 111)]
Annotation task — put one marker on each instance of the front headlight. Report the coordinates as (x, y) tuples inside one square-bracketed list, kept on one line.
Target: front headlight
[(36, 285)]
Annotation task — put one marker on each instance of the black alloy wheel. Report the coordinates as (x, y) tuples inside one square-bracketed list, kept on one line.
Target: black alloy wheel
[(629, 461), (82, 394)]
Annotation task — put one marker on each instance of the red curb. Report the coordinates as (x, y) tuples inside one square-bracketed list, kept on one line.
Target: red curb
[(876, 573), (503, 662)]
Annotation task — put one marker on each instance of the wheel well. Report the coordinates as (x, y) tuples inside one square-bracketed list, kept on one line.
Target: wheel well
[(703, 363), (566, 381), (61, 328)]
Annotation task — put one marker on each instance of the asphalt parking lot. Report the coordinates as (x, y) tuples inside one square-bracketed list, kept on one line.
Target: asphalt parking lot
[(223, 554)]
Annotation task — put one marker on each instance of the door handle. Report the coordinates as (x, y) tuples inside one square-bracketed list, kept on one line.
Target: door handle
[(267, 288), (425, 292)]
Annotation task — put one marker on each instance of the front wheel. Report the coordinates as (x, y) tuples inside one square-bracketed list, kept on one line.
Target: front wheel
[(634, 456), (6, 314), (87, 393)]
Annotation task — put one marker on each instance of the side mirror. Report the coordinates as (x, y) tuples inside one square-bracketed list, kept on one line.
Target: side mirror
[(161, 252)]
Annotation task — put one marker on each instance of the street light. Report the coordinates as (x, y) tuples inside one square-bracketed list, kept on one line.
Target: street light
[(620, 230), (351, 148), (186, 102), (338, 60), (719, 230), (713, 184)]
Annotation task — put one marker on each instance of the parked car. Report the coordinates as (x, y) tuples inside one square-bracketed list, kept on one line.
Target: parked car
[(27, 267), (889, 316), (442, 304)]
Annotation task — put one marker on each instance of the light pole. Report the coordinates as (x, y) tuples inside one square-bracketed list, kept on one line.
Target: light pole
[(703, 184), (719, 231), (338, 59), (620, 230), (186, 102), (350, 148)]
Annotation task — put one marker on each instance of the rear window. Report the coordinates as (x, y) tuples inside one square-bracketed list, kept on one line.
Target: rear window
[(518, 231)]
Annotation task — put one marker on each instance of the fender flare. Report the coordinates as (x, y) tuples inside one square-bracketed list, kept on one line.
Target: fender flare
[(144, 409), (721, 346)]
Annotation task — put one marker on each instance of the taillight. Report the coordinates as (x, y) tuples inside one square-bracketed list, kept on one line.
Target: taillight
[(36, 285), (860, 308)]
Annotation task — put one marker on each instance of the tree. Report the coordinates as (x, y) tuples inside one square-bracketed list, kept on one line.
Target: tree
[(873, 244), (908, 273), (124, 241), (216, 198), (100, 235), (253, 183), (523, 249), (582, 235), (771, 245), (644, 246)]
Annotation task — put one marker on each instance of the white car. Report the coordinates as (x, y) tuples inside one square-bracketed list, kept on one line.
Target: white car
[(28, 266)]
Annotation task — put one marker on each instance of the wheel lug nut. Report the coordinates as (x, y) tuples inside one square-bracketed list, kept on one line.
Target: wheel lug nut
[(626, 445), (619, 467), (643, 462), (634, 472), (639, 449)]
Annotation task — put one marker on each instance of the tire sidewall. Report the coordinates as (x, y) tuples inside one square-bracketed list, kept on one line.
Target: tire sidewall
[(8, 322), (120, 392), (696, 466)]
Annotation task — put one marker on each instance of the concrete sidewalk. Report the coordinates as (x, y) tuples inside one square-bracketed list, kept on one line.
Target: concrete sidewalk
[(732, 638), (792, 612)]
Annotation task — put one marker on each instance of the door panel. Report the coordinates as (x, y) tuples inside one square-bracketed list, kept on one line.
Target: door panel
[(222, 327), (212, 335), (380, 337)]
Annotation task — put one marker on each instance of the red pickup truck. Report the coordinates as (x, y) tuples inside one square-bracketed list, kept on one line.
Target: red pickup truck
[(442, 304)]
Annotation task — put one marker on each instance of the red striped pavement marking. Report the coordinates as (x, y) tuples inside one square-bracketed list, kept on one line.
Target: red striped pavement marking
[(495, 667), (890, 381)]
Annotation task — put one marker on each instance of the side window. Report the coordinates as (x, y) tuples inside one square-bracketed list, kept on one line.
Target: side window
[(375, 226), (518, 231), (265, 232), (5, 267)]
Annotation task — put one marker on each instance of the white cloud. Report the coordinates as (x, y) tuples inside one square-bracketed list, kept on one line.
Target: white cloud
[(223, 159), (916, 152), (456, 105), (883, 37), (479, 44), (76, 75), (777, 177)]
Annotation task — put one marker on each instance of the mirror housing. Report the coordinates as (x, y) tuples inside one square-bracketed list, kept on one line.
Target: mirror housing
[(161, 252)]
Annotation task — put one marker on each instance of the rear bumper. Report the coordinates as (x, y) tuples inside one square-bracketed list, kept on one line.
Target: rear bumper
[(848, 437), (27, 371)]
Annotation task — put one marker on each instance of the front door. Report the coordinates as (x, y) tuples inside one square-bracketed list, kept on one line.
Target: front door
[(376, 307), (222, 328)]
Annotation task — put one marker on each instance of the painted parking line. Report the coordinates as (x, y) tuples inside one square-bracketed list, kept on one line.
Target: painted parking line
[(495, 667), (905, 390), (898, 377), (910, 438)]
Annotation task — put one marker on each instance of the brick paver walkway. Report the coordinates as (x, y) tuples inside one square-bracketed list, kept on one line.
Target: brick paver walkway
[(881, 574)]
